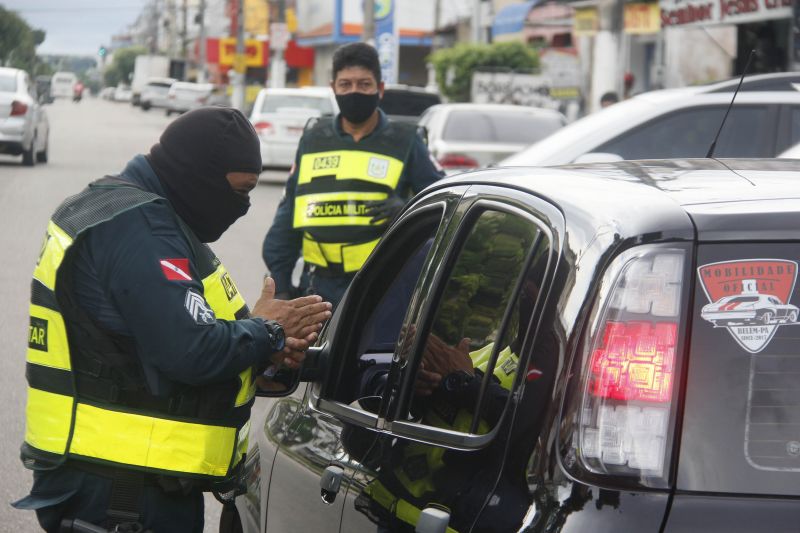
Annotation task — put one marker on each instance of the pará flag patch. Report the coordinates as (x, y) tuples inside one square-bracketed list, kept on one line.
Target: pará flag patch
[(176, 269)]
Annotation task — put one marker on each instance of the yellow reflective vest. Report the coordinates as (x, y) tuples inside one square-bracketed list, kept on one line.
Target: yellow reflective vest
[(63, 423), (335, 179)]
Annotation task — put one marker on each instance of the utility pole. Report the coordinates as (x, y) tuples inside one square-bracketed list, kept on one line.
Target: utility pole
[(277, 66), (368, 29), (239, 65), (476, 21), (184, 8), (201, 67)]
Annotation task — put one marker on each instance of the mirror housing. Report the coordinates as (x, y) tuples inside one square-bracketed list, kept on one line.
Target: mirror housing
[(316, 364)]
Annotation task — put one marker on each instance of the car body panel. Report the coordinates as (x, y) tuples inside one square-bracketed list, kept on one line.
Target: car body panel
[(185, 96), (731, 514), (287, 120), (482, 142), (30, 130)]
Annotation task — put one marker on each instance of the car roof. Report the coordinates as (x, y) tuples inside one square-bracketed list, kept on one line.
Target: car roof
[(591, 131), (497, 107), (724, 198), (308, 90), (9, 70)]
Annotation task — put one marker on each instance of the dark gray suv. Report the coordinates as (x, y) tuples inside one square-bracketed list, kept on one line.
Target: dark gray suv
[(535, 350)]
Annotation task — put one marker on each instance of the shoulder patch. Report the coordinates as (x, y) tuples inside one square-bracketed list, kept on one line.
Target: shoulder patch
[(198, 309), (176, 269)]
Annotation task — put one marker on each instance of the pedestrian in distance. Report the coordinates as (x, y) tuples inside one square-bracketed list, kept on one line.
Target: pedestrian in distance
[(352, 175), (143, 356), (608, 99)]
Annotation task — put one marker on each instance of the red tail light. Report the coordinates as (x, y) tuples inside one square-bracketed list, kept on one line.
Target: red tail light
[(457, 161), (18, 108), (635, 362), (263, 128)]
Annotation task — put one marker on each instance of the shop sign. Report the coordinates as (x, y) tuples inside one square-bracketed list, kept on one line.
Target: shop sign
[(253, 53), (642, 18), (585, 22), (710, 12)]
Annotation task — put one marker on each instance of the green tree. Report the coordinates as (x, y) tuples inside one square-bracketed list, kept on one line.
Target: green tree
[(18, 42), (122, 65), (454, 66)]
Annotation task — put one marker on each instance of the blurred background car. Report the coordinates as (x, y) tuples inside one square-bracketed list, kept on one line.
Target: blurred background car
[(122, 93), (24, 128), (465, 136), (681, 122), (184, 96), (407, 103), (43, 83), (62, 84), (155, 93), (280, 115), (107, 93)]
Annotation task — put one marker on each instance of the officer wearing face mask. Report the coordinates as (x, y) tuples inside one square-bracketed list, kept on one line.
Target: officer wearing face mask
[(142, 354), (352, 175)]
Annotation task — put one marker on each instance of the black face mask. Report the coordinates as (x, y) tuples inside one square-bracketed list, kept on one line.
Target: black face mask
[(357, 107)]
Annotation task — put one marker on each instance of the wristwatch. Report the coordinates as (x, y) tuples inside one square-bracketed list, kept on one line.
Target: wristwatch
[(457, 381), (275, 334)]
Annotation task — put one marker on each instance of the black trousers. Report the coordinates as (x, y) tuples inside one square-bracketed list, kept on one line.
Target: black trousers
[(67, 493)]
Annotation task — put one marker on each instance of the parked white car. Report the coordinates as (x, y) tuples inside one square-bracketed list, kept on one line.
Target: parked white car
[(279, 116), (155, 93), (122, 93), (184, 96), (677, 123), (24, 128), (464, 136)]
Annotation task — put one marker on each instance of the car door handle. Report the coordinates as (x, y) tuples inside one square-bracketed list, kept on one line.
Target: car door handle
[(330, 482)]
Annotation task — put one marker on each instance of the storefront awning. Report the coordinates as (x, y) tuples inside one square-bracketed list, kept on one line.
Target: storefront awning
[(511, 19)]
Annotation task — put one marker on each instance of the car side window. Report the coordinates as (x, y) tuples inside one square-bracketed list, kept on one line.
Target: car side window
[(689, 133), (468, 358)]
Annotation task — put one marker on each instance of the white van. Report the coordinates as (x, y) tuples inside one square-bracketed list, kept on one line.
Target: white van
[(63, 84)]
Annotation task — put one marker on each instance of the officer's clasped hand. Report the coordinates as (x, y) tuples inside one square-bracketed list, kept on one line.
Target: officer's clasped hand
[(384, 209), (301, 319)]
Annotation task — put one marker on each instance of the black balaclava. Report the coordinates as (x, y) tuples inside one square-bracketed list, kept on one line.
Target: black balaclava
[(193, 157)]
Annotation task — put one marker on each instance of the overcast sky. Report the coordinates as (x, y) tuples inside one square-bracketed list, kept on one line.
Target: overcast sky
[(76, 26)]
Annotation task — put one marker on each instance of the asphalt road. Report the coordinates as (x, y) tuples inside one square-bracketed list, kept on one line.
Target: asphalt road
[(87, 141)]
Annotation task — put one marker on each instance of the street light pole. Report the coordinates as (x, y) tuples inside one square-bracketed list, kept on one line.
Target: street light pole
[(368, 29), (277, 66), (201, 67), (237, 98)]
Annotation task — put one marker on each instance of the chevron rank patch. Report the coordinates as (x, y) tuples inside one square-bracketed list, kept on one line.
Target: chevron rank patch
[(198, 309)]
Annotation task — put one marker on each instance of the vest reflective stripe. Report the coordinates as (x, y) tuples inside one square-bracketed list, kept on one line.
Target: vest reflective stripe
[(55, 245), (351, 256), (334, 209), (169, 445), (221, 294), (49, 417), (364, 166), (58, 424)]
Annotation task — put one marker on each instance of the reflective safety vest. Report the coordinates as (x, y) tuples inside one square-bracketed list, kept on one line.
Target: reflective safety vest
[(422, 461), (335, 178), (84, 402)]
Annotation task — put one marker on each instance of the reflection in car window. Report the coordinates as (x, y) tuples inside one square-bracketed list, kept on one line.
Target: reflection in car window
[(273, 103), (689, 133), (8, 84), (466, 330), (498, 126)]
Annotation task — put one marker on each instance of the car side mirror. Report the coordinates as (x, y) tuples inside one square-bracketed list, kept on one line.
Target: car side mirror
[(316, 363)]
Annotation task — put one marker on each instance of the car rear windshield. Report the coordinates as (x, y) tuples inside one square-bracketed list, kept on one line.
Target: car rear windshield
[(407, 103), (741, 421), (274, 103), (8, 84), (498, 126)]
